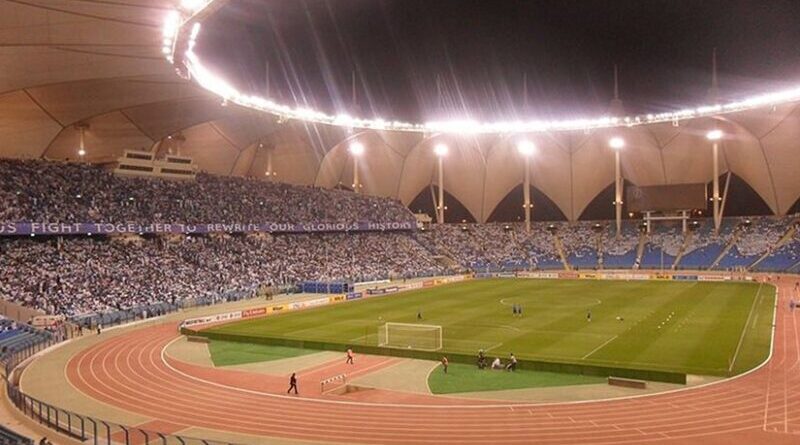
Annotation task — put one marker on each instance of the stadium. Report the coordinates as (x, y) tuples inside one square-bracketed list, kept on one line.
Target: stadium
[(390, 222)]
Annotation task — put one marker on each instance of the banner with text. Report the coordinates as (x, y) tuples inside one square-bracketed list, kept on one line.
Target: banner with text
[(30, 228)]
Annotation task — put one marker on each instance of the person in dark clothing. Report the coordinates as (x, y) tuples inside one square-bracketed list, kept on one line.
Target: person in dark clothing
[(292, 383), (349, 356), (512, 364), (481, 359), (445, 362)]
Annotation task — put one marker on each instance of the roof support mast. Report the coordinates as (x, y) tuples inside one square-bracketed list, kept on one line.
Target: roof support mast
[(713, 93)]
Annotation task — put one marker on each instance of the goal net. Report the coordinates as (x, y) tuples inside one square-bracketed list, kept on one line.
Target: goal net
[(424, 337)]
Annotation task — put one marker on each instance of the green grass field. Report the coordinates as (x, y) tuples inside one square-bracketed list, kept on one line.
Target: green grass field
[(225, 353), (693, 327), (468, 378)]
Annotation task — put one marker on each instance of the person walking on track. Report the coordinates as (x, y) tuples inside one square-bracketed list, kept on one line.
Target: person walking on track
[(292, 384), (349, 356)]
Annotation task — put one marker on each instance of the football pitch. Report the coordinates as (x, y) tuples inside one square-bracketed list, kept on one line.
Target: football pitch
[(705, 328)]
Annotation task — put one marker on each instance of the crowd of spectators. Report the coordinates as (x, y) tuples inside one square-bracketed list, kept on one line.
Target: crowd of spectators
[(479, 246), (760, 235), (623, 244), (580, 241), (82, 274), (73, 276), (42, 191), (668, 237)]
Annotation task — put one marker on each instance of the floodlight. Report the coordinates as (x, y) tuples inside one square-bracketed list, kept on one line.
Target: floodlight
[(714, 135), (616, 143), (356, 148), (192, 5), (526, 147), (440, 150)]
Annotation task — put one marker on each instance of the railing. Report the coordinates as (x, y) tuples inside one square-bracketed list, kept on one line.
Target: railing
[(9, 437), (115, 318), (12, 359), (86, 428), (80, 426)]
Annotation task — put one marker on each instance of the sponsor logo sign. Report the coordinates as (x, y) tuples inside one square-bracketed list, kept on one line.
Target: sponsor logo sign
[(255, 312), (41, 321), (538, 275), (355, 295), (713, 278), (212, 319)]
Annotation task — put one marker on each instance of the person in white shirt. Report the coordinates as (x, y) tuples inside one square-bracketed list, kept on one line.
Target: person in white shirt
[(496, 364)]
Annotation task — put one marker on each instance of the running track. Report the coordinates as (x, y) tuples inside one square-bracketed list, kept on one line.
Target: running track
[(131, 372)]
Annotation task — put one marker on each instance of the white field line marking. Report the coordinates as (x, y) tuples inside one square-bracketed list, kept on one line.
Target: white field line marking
[(494, 346), (769, 358), (512, 328), (601, 346), (746, 324), (543, 331), (597, 301)]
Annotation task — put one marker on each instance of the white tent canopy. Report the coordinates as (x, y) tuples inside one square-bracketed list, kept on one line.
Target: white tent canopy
[(66, 62)]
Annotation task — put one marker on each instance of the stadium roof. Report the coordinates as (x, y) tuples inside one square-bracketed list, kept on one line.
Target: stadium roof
[(64, 63)]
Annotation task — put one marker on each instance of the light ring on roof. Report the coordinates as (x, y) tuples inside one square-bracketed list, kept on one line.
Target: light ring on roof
[(183, 56)]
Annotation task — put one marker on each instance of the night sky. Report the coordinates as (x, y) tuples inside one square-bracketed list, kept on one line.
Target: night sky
[(476, 53)]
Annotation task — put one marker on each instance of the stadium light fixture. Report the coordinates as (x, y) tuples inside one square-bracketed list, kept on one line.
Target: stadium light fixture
[(617, 143), (526, 148), (356, 148), (177, 26), (440, 150), (193, 5), (714, 135)]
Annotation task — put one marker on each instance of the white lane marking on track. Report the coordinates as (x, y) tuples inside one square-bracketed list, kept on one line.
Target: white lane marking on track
[(600, 347)]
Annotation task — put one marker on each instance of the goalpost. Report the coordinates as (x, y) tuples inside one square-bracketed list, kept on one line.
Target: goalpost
[(424, 337)]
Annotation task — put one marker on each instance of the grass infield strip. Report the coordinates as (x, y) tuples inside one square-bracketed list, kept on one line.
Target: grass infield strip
[(225, 353), (468, 378)]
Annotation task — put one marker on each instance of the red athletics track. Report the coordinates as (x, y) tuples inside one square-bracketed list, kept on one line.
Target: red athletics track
[(131, 372)]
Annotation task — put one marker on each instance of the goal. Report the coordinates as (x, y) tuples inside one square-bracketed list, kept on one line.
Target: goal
[(424, 337)]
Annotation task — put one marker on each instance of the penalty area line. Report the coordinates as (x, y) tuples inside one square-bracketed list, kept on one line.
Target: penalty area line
[(494, 346), (600, 347)]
